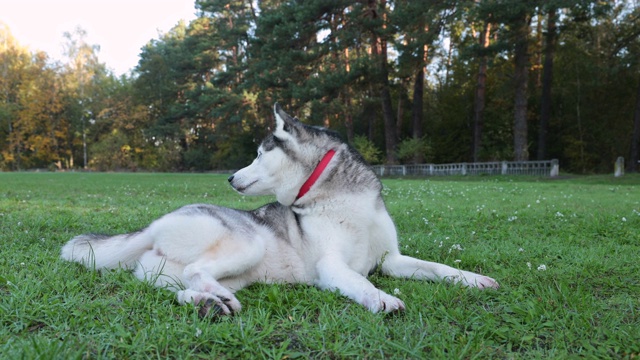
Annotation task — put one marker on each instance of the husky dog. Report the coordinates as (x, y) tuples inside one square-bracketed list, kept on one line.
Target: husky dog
[(328, 228)]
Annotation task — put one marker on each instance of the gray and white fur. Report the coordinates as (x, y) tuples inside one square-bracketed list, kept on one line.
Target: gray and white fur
[(332, 237)]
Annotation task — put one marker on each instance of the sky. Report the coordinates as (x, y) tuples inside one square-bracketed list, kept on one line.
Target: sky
[(120, 27)]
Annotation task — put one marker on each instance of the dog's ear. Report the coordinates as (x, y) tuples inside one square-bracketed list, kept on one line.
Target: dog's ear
[(284, 122)]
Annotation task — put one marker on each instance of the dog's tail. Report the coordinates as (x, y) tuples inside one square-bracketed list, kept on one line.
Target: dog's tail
[(107, 252)]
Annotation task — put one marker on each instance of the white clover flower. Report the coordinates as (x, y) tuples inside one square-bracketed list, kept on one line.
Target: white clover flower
[(529, 265), (542, 267), (198, 332), (455, 247), (512, 218), (521, 250), (624, 219), (559, 214), (396, 291), (457, 261)]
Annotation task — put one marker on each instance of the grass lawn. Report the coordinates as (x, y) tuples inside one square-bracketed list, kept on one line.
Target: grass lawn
[(566, 253)]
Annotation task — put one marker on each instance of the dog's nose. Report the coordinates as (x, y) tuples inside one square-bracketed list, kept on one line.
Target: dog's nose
[(230, 179)]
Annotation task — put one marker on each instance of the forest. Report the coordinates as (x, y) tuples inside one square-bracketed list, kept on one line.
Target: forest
[(404, 81)]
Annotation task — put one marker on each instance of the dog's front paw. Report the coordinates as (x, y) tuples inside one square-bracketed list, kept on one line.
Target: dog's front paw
[(478, 281), (382, 301), (486, 282)]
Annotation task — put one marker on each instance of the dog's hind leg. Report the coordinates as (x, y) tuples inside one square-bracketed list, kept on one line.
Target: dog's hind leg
[(154, 268), (230, 263), (211, 297)]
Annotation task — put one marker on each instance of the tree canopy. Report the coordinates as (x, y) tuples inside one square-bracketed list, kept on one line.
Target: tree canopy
[(404, 81)]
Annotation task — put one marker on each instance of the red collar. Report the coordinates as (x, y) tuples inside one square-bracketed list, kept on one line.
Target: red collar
[(316, 173)]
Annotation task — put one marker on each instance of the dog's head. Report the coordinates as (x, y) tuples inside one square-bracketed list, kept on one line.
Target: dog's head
[(285, 160)]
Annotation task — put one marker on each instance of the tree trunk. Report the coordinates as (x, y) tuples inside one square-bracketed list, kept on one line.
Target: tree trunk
[(547, 80), (538, 50), (635, 138), (417, 111), (390, 137), (349, 125), (14, 147), (400, 107), (521, 57), (479, 98), (380, 55)]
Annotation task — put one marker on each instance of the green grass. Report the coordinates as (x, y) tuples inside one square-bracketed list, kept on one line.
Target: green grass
[(585, 231)]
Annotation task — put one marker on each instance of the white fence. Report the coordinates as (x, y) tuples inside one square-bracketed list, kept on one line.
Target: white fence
[(534, 168)]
